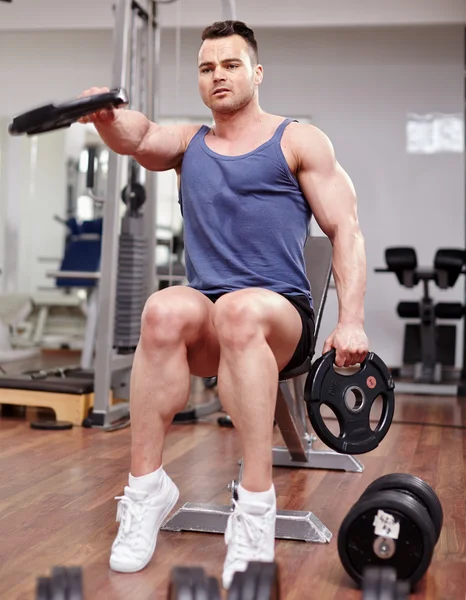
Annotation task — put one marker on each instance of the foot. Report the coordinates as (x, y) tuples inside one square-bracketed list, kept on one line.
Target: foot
[(140, 515), (250, 536)]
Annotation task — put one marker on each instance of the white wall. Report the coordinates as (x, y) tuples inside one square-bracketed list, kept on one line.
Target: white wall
[(89, 14), (357, 84)]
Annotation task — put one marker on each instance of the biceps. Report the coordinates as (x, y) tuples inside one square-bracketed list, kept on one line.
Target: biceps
[(332, 199)]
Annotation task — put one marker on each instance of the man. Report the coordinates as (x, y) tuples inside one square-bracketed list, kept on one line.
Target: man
[(248, 187)]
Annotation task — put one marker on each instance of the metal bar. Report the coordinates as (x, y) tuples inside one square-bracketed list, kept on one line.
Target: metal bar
[(289, 424), (150, 207), (229, 10), (317, 459), (87, 354), (463, 367), (298, 386), (109, 259)]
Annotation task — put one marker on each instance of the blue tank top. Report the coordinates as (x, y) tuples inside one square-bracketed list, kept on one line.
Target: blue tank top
[(246, 220)]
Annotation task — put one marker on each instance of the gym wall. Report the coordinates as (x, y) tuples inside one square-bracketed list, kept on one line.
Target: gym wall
[(356, 84)]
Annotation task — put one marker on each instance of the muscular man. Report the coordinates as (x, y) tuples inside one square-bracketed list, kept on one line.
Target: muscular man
[(248, 187)]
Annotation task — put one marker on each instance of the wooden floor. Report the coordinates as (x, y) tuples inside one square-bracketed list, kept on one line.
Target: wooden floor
[(57, 503)]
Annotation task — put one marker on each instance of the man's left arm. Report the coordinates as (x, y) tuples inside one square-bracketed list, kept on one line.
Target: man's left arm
[(332, 198)]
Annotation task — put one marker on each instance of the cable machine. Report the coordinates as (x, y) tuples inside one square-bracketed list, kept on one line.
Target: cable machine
[(128, 273)]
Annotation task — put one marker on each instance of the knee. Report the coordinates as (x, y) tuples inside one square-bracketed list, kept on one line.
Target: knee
[(238, 321), (165, 322)]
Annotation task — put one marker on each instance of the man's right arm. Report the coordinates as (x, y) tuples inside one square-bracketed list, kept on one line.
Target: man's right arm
[(129, 132), (154, 147)]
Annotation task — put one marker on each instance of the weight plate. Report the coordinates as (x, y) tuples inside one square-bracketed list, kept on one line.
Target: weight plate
[(268, 587), (43, 588), (75, 583), (359, 546), (214, 589), (380, 583), (189, 583), (388, 589), (50, 116), (134, 195), (58, 584), (416, 487), (236, 588), (324, 386), (371, 583), (260, 581)]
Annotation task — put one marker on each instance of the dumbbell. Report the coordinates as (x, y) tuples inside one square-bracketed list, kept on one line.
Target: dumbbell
[(259, 582), (65, 583), (395, 523), (381, 583)]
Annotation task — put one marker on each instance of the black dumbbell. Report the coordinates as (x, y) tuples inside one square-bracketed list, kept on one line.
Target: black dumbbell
[(191, 583), (381, 583), (259, 582), (395, 523), (415, 487), (65, 583)]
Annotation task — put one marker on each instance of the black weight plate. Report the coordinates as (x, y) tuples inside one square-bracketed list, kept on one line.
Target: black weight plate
[(59, 584), (188, 583), (236, 588), (134, 195), (413, 548), (380, 583), (324, 386), (371, 583), (250, 582), (410, 484), (268, 587), (388, 587), (43, 588), (51, 116), (75, 583), (214, 589)]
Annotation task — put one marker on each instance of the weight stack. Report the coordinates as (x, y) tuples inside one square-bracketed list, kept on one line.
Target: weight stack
[(131, 283)]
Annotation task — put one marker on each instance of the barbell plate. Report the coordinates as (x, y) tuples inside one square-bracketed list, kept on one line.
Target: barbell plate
[(325, 387)]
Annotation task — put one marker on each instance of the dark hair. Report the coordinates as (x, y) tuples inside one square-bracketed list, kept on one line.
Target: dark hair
[(221, 29)]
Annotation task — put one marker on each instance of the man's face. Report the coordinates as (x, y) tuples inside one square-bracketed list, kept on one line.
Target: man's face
[(227, 77)]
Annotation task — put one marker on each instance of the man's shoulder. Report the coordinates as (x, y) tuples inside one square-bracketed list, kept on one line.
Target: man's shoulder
[(189, 130), (305, 132)]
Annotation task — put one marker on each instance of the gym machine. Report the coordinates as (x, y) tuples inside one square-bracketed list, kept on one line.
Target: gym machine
[(429, 347), (127, 274)]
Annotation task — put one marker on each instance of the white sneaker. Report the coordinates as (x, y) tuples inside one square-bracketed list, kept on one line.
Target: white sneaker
[(250, 536), (140, 515)]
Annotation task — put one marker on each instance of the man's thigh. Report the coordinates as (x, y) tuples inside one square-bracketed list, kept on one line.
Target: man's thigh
[(280, 321)]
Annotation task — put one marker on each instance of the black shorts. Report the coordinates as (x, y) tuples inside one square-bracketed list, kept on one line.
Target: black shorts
[(306, 342)]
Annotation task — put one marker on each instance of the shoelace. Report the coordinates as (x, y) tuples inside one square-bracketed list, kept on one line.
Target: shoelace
[(129, 511), (248, 534)]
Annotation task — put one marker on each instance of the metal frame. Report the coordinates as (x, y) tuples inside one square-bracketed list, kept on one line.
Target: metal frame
[(289, 412), (134, 63)]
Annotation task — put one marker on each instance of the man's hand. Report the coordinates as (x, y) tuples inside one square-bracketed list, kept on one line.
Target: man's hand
[(350, 342), (101, 117)]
